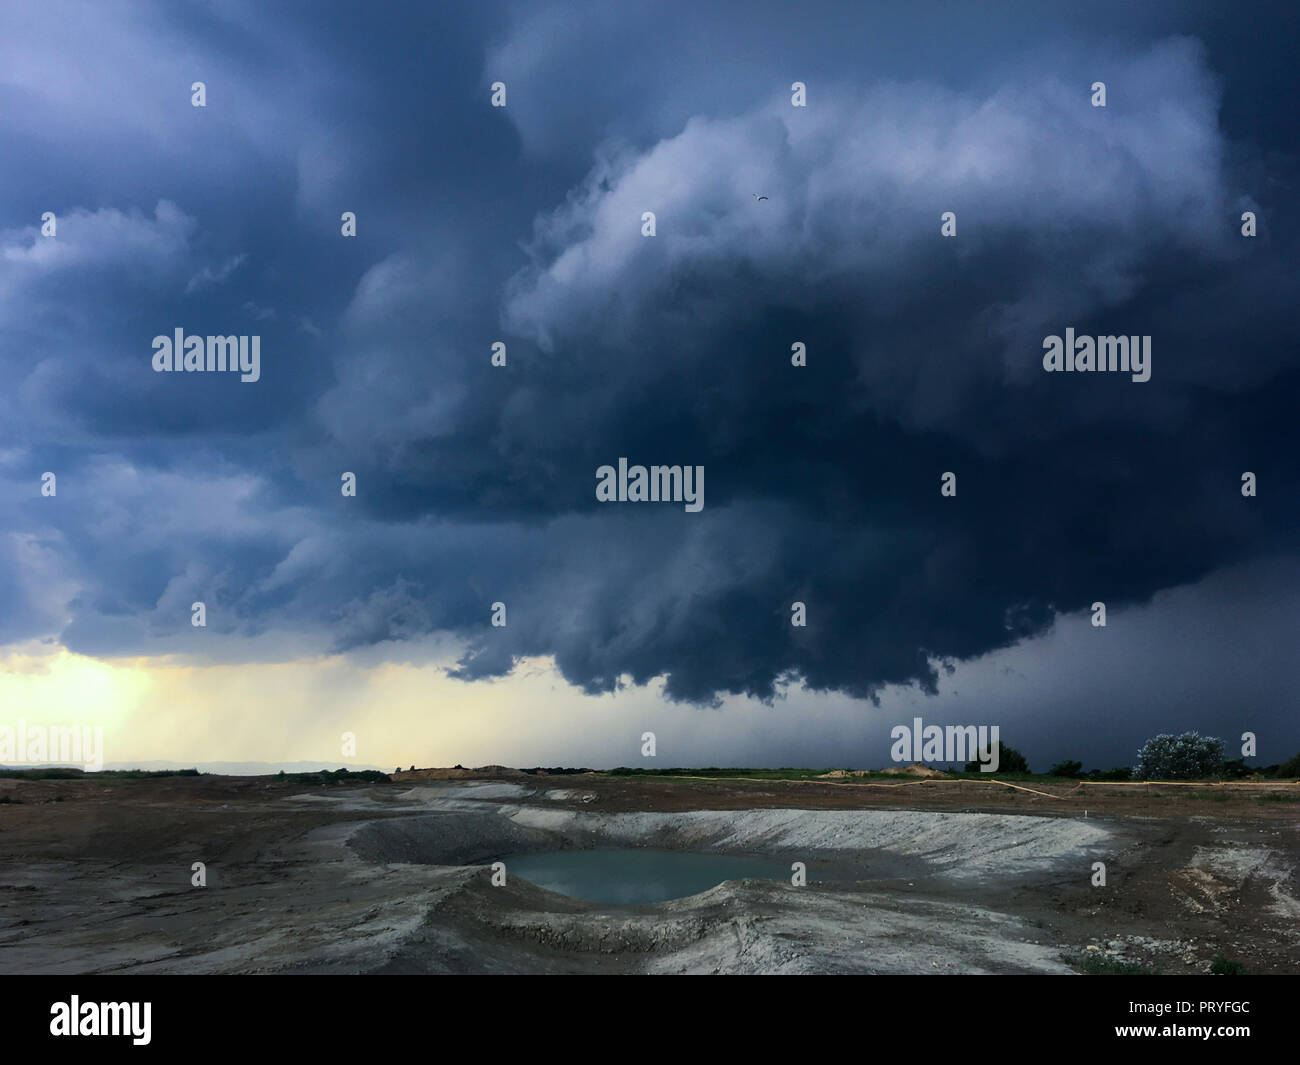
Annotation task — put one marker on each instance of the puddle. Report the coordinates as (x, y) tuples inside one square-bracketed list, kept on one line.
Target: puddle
[(640, 875)]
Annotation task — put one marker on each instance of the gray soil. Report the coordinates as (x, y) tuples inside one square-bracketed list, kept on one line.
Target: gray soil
[(95, 877)]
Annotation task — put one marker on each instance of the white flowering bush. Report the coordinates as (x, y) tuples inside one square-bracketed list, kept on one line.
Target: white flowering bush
[(1185, 757)]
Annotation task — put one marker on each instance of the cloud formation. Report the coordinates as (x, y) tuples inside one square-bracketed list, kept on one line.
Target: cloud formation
[(476, 483)]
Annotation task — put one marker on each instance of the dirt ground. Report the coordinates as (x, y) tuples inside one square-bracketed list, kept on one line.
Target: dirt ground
[(95, 876)]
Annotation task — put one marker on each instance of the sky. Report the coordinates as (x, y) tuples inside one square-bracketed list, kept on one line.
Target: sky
[(523, 225)]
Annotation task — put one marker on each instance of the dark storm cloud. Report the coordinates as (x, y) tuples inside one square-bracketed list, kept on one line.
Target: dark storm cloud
[(476, 484)]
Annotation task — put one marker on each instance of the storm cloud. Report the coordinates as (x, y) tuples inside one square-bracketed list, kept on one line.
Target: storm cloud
[(523, 225)]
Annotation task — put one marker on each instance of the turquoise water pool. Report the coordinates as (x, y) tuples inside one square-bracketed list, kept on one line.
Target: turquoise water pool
[(640, 875)]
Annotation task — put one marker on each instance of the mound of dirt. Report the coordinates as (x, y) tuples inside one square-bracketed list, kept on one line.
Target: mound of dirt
[(494, 772), (916, 769)]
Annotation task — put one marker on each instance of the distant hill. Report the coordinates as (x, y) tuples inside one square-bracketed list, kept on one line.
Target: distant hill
[(228, 769)]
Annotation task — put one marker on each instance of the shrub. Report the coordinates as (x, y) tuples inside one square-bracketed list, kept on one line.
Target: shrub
[(1289, 768), (1234, 769), (1009, 761), (1185, 757), (1122, 772), (336, 776), (1221, 966), (1069, 768), (60, 773), (1093, 964)]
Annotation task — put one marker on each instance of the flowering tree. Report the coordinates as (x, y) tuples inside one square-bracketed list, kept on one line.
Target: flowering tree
[(1185, 757)]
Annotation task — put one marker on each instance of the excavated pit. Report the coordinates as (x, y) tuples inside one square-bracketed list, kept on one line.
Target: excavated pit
[(887, 890), (834, 845)]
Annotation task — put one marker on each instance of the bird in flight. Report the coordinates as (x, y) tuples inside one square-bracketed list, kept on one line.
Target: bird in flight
[(758, 197)]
